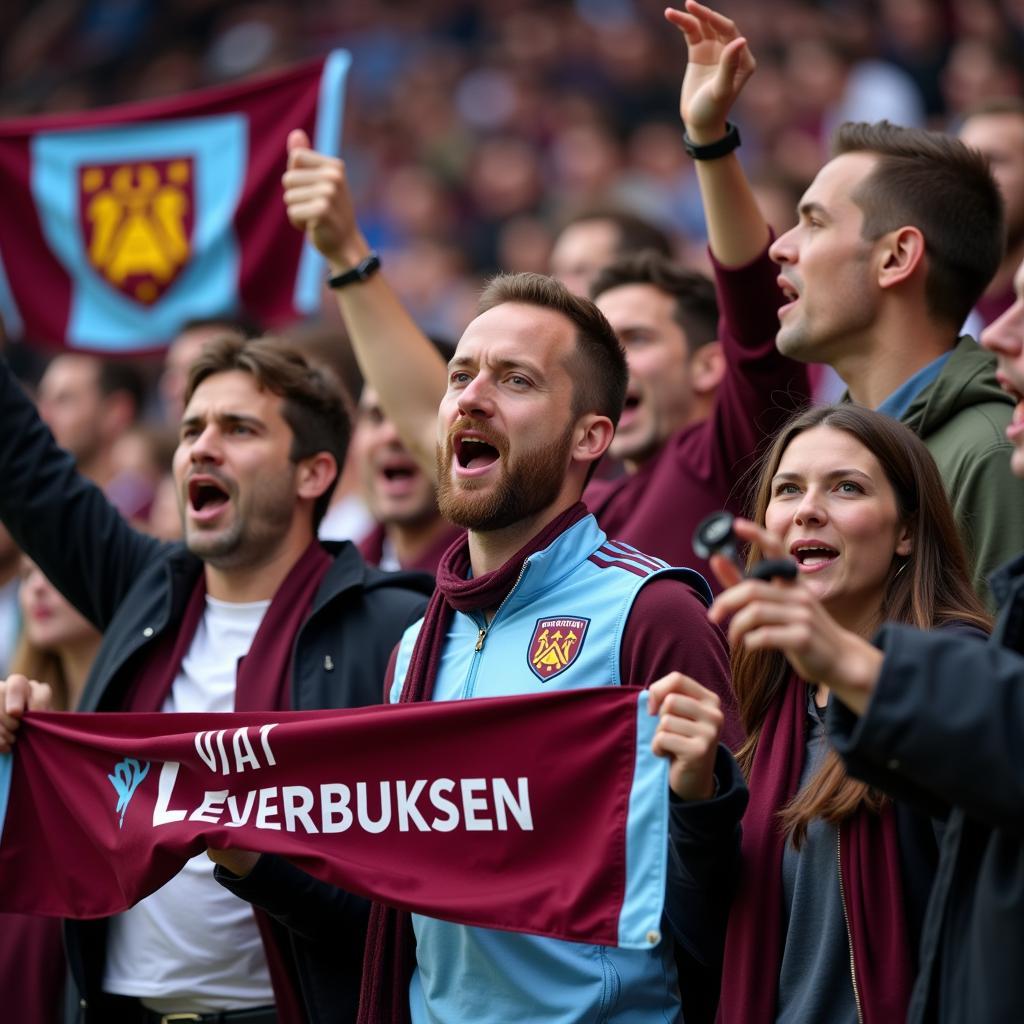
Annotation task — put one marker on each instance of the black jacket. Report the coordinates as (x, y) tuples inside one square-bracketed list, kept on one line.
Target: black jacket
[(135, 589), (945, 729)]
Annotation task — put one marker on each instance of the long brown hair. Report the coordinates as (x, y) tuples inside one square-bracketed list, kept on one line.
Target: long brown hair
[(927, 589)]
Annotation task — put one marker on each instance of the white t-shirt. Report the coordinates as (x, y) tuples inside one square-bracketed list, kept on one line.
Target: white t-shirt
[(192, 946)]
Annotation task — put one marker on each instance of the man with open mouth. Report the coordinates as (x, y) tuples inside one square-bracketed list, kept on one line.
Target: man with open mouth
[(537, 597), (898, 236), (250, 612)]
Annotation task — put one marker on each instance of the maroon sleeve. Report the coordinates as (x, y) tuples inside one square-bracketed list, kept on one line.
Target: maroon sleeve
[(668, 631), (761, 388)]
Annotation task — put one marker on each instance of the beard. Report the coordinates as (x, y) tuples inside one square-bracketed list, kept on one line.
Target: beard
[(255, 529), (528, 483)]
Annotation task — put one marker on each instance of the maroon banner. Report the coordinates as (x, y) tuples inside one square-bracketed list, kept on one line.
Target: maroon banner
[(119, 225), (513, 812)]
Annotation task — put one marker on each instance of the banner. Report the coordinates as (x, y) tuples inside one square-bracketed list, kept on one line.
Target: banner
[(545, 814), (119, 225)]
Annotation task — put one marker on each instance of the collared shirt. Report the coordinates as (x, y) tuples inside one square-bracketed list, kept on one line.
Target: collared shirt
[(899, 401)]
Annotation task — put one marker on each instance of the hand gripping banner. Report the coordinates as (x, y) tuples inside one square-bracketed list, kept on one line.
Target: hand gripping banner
[(545, 814), (119, 225)]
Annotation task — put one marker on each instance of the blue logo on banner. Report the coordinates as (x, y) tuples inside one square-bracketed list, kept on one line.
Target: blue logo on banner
[(125, 780)]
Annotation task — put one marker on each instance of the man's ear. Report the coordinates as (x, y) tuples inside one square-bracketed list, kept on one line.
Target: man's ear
[(900, 253), (707, 368), (591, 436), (315, 474)]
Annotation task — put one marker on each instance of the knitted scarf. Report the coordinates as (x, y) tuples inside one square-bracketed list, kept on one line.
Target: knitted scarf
[(869, 868), (390, 944)]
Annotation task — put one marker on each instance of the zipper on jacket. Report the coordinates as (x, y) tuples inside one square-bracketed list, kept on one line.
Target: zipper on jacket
[(846, 921), (483, 630)]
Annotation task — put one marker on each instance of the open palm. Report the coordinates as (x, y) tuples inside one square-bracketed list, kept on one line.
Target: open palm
[(719, 62)]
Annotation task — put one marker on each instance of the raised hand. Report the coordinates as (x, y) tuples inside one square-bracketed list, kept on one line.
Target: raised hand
[(19, 694), (318, 202), (719, 62), (690, 722)]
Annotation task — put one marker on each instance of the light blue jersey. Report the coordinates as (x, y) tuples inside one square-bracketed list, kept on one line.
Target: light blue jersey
[(560, 627)]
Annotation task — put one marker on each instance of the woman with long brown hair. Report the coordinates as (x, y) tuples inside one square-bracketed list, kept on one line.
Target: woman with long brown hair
[(57, 644), (835, 876)]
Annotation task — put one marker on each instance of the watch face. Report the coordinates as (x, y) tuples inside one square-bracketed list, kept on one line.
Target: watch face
[(368, 266), (713, 534)]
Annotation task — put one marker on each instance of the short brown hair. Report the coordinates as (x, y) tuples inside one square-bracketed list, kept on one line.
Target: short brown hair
[(601, 373), (937, 184), (931, 587), (696, 309), (313, 405)]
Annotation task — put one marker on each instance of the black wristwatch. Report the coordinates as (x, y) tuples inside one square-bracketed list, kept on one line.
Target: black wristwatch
[(362, 271), (713, 150)]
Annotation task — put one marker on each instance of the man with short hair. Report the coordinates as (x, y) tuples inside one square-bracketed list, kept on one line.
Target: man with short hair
[(249, 613), (996, 129), (898, 236), (702, 396), (88, 402), (539, 598), (591, 239)]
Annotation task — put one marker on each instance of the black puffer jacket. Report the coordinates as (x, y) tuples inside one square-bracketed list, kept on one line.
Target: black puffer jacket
[(945, 728)]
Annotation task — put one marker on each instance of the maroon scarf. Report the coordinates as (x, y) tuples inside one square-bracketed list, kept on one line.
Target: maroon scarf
[(872, 882), (390, 956), (263, 683)]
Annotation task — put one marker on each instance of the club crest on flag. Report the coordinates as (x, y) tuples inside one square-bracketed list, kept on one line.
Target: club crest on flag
[(136, 219), (556, 644)]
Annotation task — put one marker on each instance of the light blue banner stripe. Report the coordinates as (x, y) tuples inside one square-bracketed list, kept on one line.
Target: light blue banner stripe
[(13, 324), (6, 769), (100, 318), (646, 840), (327, 139)]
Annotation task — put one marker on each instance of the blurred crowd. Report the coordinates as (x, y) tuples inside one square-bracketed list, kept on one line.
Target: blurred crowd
[(474, 128)]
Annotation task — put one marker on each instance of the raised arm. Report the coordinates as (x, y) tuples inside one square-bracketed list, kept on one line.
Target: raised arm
[(719, 62), (397, 359), (59, 519)]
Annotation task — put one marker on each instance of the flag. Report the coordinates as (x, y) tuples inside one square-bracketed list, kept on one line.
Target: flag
[(543, 813), (119, 225)]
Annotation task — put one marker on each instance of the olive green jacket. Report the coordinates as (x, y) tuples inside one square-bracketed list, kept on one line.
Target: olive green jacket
[(962, 417)]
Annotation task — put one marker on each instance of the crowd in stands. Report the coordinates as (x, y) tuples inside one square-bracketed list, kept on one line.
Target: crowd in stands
[(773, 308), (474, 129)]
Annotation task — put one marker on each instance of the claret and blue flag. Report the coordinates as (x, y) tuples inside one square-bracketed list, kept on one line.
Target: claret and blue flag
[(543, 813), (118, 225)]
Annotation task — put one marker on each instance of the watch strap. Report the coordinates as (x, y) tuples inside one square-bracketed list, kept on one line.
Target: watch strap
[(713, 150), (364, 269)]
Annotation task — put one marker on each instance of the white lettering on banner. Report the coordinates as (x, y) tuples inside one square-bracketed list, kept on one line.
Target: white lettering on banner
[(245, 757), (477, 805), (162, 815)]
